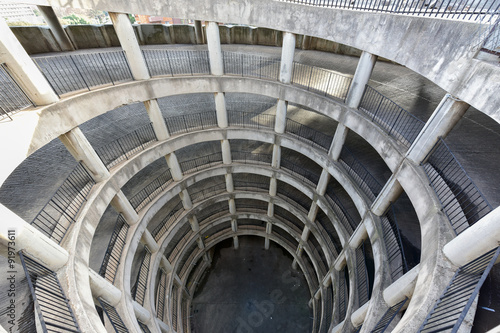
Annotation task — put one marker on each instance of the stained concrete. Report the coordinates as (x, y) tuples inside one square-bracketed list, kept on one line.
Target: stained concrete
[(251, 290)]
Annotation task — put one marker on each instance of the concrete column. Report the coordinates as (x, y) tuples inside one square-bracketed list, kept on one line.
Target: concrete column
[(305, 234), (56, 28), (287, 52), (121, 204), (23, 69), (269, 228), (157, 120), (193, 220), (220, 109), (338, 142), (275, 163), (78, 145), (140, 312), (229, 182), (27, 238), (148, 240), (479, 238), (313, 212), (295, 264), (270, 209), (402, 287), (164, 328), (226, 152), (166, 264), (199, 241), (232, 206), (441, 122), (101, 287), (214, 49), (236, 242), (360, 79), (390, 193), (186, 199), (266, 243), (175, 167), (280, 122), (273, 187), (306, 42), (129, 44), (234, 225), (323, 182), (198, 31)]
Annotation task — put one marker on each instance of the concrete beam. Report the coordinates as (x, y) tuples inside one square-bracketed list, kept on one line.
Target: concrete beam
[(148, 240), (121, 204), (104, 289), (402, 287), (389, 194)]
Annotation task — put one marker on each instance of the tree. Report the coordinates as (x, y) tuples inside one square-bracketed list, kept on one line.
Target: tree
[(132, 18), (74, 19)]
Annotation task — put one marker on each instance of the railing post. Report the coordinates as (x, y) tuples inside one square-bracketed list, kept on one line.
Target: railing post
[(23, 69), (441, 122)]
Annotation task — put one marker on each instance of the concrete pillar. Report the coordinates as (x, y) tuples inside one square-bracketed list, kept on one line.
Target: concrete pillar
[(193, 220), (266, 243), (360, 79), (140, 312), (338, 142), (27, 238), (200, 244), (56, 28), (229, 182), (234, 225), (295, 264), (148, 240), (273, 187), (313, 212), (101, 287), (175, 168), (280, 122), (270, 209), (390, 193), (232, 206), (269, 228), (166, 264), (306, 42), (275, 163), (323, 182), (359, 235), (226, 152), (220, 109), (23, 69), (164, 328), (441, 122), (236, 242), (186, 199), (129, 44), (121, 204), (198, 31), (78, 145), (214, 49), (157, 120), (402, 287), (305, 234), (479, 238), (287, 52)]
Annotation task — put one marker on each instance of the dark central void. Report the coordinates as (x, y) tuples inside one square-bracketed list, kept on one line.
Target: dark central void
[(251, 290)]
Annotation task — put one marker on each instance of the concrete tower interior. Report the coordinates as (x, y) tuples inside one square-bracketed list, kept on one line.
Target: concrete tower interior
[(274, 166)]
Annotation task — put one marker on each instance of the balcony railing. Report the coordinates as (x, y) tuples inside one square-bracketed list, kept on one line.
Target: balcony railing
[(178, 62), (150, 191), (113, 316), (12, 97), (141, 283), (394, 245), (191, 122), (113, 254), (167, 221)]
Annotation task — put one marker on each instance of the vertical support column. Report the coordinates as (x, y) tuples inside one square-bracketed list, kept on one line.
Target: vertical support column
[(236, 242), (220, 109), (229, 182), (121, 204), (441, 122), (148, 240), (338, 142), (128, 41), (323, 182), (175, 168), (56, 28), (214, 48), (157, 120), (186, 199), (390, 192), (78, 145), (281, 111), (287, 52), (306, 42), (234, 225), (226, 152), (273, 186), (275, 163), (23, 69), (198, 31), (232, 206), (193, 220)]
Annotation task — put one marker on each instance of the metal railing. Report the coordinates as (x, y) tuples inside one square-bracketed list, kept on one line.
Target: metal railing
[(67, 73), (141, 284), (362, 276), (328, 310), (176, 62), (130, 144), (167, 221), (188, 262), (451, 308), (321, 81), (248, 65), (357, 171), (328, 235), (250, 119), (491, 43), (113, 316), (12, 97), (251, 157), (175, 307), (51, 305), (393, 245), (398, 122), (301, 173), (342, 213), (171, 250), (161, 295), (62, 209), (179, 244), (308, 135), (454, 9), (144, 327), (389, 316), (113, 254), (185, 315), (460, 198), (251, 186), (150, 191), (191, 122), (343, 293), (201, 163), (206, 193)]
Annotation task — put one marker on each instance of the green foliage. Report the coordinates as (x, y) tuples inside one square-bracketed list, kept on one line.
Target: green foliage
[(132, 18), (74, 19), (19, 23)]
